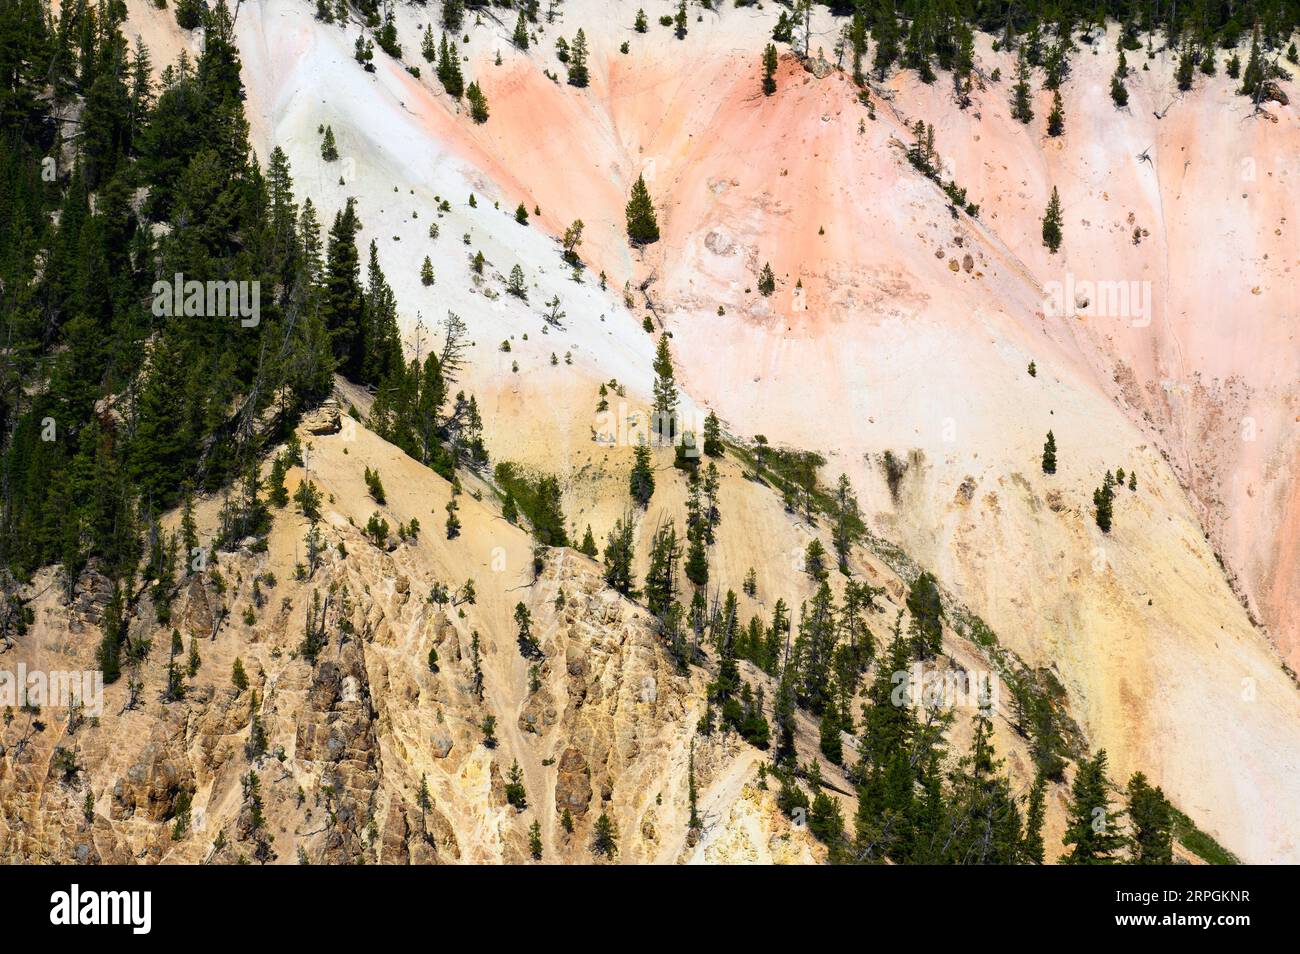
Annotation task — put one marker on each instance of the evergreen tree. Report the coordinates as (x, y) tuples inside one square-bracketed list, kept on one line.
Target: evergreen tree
[(1118, 92), (848, 525), (886, 789), (328, 150), (661, 576), (1056, 118), (448, 69), (885, 32), (528, 645), (712, 435), (618, 555), (642, 227), (535, 840), (642, 478), (1092, 833), (520, 38), (766, 281), (1049, 454), (1052, 222), (1253, 78), (516, 286), (1186, 65), (1151, 818), (769, 69), (588, 545), (814, 560), (1103, 499), (478, 105), (664, 410), (926, 609), (604, 837), (342, 303), (1021, 105), (577, 64), (831, 743), (697, 560), (679, 20), (1032, 845), (516, 797)]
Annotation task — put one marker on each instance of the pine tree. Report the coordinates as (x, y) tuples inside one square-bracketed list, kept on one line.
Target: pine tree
[(237, 675), (926, 609), (848, 526), (520, 38), (886, 791), (664, 411), (189, 13), (528, 645), (1056, 118), (831, 743), (1186, 65), (679, 20), (1092, 832), (577, 64), (478, 104), (618, 555), (642, 226), (328, 151), (448, 69), (642, 479), (640, 24), (697, 560), (1151, 818), (712, 435), (1052, 222), (604, 837), (1103, 499), (516, 286), (661, 576), (588, 545), (769, 69), (342, 303), (766, 281), (1049, 454), (516, 797), (1035, 811), (1021, 105), (364, 53), (535, 840), (1253, 78), (885, 32), (426, 272), (1118, 92), (814, 560)]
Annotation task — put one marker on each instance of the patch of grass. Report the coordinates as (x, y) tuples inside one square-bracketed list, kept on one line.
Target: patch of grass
[(1199, 843)]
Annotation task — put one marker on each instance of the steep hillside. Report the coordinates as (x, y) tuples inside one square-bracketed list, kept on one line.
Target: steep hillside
[(897, 344)]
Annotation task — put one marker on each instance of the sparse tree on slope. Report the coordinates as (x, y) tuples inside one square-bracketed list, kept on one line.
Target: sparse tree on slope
[(642, 226), (1052, 222)]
